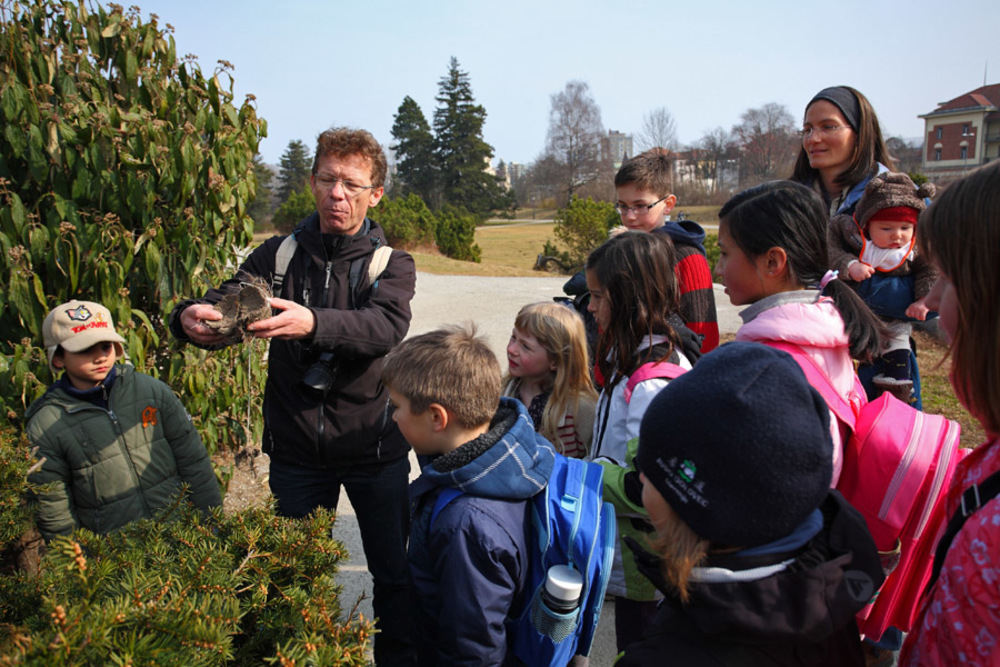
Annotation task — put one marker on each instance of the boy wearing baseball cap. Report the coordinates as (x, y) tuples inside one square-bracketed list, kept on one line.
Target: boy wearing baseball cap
[(115, 445)]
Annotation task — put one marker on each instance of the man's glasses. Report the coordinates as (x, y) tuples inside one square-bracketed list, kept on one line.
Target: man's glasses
[(350, 187), (821, 131), (637, 210)]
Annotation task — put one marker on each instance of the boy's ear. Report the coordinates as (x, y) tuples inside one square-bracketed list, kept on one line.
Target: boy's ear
[(57, 360), (438, 416), (668, 204)]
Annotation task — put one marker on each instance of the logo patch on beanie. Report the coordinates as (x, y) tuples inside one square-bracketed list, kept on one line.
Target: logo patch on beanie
[(80, 314), (679, 476)]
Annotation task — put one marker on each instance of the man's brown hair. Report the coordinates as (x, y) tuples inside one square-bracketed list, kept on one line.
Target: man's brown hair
[(342, 142), (452, 367), (647, 171)]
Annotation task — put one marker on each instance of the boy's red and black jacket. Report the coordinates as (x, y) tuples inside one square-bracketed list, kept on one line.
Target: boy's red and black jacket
[(694, 278)]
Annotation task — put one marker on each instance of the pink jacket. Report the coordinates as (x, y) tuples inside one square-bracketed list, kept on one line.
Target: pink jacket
[(959, 623), (816, 327)]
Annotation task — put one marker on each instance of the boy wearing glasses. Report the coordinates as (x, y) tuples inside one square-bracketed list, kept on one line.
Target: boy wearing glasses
[(115, 445), (644, 202)]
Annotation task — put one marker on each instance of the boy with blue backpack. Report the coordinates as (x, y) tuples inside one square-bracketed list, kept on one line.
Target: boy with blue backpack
[(475, 554)]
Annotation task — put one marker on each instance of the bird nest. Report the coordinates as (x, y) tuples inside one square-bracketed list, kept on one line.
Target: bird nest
[(240, 309)]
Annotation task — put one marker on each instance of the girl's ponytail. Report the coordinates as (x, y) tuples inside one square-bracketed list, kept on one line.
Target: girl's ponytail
[(864, 329)]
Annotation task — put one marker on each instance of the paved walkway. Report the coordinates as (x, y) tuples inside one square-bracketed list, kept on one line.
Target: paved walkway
[(492, 304)]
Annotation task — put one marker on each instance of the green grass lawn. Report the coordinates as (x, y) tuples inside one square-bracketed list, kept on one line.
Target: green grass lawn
[(508, 250)]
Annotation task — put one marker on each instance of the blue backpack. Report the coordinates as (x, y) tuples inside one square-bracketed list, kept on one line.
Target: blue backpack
[(572, 525)]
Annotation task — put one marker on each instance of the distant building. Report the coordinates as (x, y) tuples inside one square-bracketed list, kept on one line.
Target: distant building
[(620, 145), (516, 171), (962, 134), (696, 167)]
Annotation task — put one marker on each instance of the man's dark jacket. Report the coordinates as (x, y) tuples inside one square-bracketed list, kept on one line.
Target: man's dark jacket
[(351, 425)]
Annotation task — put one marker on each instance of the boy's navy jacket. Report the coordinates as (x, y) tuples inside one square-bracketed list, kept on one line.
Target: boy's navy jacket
[(684, 232), (470, 568)]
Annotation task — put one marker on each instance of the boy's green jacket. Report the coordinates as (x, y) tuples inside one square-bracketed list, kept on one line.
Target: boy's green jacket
[(105, 468)]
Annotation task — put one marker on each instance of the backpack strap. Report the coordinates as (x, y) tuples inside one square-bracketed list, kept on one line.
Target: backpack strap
[(821, 383), (973, 498), (281, 261), (376, 267), (650, 371), (380, 260), (446, 496)]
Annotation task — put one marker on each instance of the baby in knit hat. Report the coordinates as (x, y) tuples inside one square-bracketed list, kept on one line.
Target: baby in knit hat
[(875, 252)]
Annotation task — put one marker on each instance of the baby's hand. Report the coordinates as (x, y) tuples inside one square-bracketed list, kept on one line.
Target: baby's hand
[(918, 310), (859, 271)]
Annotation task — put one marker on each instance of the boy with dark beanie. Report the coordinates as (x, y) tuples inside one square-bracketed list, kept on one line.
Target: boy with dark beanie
[(760, 562)]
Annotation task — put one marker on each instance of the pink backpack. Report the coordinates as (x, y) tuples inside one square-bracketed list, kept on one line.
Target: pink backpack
[(898, 465), (650, 371)]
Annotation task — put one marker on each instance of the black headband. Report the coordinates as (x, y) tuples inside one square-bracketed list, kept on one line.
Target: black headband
[(845, 100)]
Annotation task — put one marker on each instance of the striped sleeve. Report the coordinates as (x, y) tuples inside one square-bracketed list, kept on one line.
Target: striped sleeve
[(697, 307)]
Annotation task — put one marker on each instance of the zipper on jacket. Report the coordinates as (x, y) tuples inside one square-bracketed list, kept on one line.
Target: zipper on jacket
[(385, 420), (131, 464), (321, 414)]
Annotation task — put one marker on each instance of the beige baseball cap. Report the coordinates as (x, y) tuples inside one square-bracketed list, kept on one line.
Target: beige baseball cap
[(76, 325)]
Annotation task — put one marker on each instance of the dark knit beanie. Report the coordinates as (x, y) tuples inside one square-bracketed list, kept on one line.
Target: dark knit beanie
[(739, 446), (891, 190), (844, 100)]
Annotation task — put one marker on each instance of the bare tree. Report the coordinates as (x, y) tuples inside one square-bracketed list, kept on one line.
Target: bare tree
[(717, 144), (767, 141), (908, 157), (575, 147), (659, 130)]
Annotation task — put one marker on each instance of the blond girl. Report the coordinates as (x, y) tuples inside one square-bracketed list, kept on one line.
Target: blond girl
[(549, 373)]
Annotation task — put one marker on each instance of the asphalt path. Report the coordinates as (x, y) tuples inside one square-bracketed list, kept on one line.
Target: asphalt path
[(491, 304)]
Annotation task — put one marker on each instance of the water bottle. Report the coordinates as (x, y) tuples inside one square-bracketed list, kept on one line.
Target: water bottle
[(561, 593)]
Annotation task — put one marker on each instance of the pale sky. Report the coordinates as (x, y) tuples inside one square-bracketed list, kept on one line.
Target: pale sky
[(313, 64)]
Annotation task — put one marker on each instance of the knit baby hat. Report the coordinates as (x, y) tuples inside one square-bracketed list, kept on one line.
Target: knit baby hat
[(891, 190), (739, 446)]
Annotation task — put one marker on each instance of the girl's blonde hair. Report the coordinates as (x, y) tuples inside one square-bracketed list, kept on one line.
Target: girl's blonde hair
[(681, 550), (561, 333), (960, 232)]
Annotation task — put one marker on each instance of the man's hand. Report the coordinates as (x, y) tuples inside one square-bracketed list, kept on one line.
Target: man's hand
[(859, 271), (193, 320), (294, 322), (918, 310)]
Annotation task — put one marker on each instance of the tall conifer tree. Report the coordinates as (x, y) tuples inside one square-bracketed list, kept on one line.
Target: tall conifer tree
[(294, 170), (462, 153), (414, 148)]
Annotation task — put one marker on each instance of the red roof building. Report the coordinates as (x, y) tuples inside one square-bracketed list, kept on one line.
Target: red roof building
[(962, 134)]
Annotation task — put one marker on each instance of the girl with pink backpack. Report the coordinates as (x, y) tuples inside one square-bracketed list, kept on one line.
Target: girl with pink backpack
[(773, 245)]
